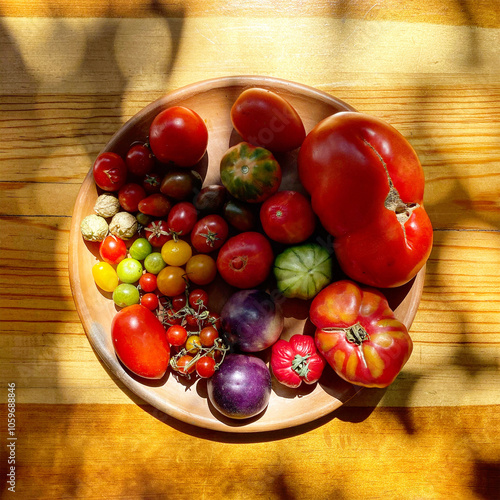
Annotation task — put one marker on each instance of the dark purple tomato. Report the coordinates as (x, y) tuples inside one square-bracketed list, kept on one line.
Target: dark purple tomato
[(241, 387), (210, 199)]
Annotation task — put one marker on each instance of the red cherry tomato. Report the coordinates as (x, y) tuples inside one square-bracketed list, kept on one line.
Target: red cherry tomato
[(245, 260), (130, 195), (152, 183), (150, 300), (178, 302), (177, 335), (155, 204), (198, 299), (110, 171), (157, 233), (112, 249), (208, 336), (209, 233), (140, 342), (182, 218), (266, 119), (178, 135), (287, 217), (148, 282), (184, 364), (214, 320), (139, 160), (205, 367)]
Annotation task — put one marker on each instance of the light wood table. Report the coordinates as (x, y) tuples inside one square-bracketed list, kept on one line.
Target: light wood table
[(72, 72)]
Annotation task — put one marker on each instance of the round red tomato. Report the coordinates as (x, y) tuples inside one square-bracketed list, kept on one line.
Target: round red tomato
[(150, 300), (209, 233), (130, 195), (264, 118), (139, 160), (152, 182), (110, 171), (245, 260), (178, 135), (112, 249), (182, 218), (140, 341), (287, 217), (366, 185), (157, 233), (148, 282)]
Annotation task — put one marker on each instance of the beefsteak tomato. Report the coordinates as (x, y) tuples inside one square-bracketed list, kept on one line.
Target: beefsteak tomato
[(357, 333), (367, 185)]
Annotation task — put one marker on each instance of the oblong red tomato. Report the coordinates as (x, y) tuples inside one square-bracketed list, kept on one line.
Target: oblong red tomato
[(366, 185), (358, 334), (264, 118), (245, 260), (140, 341)]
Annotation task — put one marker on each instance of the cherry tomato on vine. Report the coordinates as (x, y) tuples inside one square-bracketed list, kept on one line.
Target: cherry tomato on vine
[(178, 302), (148, 282), (110, 171), (209, 233), (201, 269), (182, 218), (193, 344), (177, 335), (150, 300), (183, 362), (208, 336), (130, 195), (214, 320), (198, 299), (205, 367), (139, 159), (112, 249)]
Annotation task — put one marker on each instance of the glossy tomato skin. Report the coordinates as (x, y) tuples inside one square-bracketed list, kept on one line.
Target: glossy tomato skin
[(139, 160), (266, 119), (109, 171), (179, 135), (156, 205), (182, 218), (358, 334), (130, 195), (140, 341), (112, 249), (350, 163), (245, 260), (209, 233), (287, 217)]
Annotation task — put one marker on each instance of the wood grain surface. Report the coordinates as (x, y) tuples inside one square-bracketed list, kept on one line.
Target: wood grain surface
[(73, 72)]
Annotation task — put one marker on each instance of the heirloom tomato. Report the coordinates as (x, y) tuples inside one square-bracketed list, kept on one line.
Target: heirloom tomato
[(366, 185), (139, 159), (209, 233), (358, 334), (266, 119), (157, 233), (181, 219), (245, 260), (178, 135), (109, 171), (140, 341), (180, 184), (296, 361), (250, 173), (155, 205), (130, 195)]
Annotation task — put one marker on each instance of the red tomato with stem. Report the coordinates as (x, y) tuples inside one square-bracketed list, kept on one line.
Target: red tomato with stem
[(152, 182), (198, 299), (182, 218), (112, 249), (357, 333), (109, 171), (367, 185), (209, 233), (245, 260), (140, 160), (140, 341), (157, 233), (287, 217), (178, 135), (264, 118), (130, 195)]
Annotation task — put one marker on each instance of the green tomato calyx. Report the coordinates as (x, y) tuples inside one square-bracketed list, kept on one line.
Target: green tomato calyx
[(300, 365)]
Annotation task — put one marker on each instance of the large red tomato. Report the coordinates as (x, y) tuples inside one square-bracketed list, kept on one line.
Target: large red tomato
[(178, 135), (367, 185), (140, 341), (357, 333), (266, 119), (245, 260)]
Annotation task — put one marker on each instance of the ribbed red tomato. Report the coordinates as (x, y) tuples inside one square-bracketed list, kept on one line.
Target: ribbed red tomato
[(357, 333)]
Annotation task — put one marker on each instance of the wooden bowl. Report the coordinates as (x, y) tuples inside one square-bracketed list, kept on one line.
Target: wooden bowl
[(212, 100)]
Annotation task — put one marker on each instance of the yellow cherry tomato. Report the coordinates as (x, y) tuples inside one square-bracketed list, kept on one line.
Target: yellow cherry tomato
[(105, 276), (176, 253), (193, 344)]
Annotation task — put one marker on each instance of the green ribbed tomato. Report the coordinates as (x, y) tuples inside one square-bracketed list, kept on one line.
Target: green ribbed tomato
[(250, 173)]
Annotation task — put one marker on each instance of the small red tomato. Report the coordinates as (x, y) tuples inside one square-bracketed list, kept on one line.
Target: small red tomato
[(178, 302), (209, 233), (150, 300), (148, 282), (205, 367), (182, 218), (139, 160), (198, 299), (112, 249), (156, 205), (177, 335), (110, 171), (152, 183), (208, 336), (266, 119), (287, 217), (130, 195), (179, 135), (245, 260), (157, 233), (185, 364)]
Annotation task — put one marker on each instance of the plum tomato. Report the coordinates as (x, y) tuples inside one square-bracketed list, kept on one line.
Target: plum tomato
[(182, 218), (208, 336), (245, 260), (287, 217), (250, 173), (147, 282), (171, 281), (150, 300), (177, 335), (139, 160), (266, 119), (109, 171), (201, 269), (157, 233), (209, 233), (179, 135), (112, 249), (210, 199), (176, 253), (152, 182), (155, 204), (105, 276), (198, 299), (181, 184), (205, 367), (130, 195), (240, 215)]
